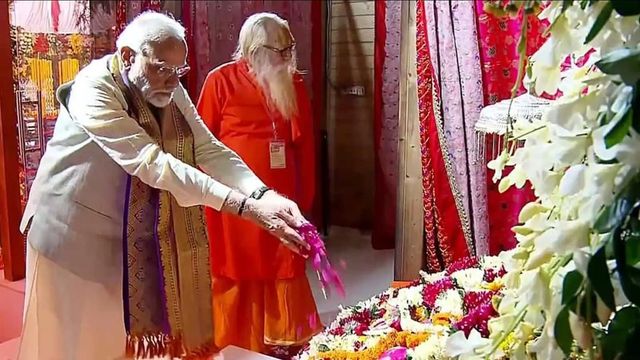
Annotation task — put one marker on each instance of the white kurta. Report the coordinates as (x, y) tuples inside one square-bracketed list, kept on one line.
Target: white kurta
[(73, 303)]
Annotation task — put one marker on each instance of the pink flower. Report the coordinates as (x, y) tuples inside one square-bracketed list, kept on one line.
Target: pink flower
[(320, 260), (490, 275), (431, 291), (478, 319), (361, 328), (462, 264), (474, 299)]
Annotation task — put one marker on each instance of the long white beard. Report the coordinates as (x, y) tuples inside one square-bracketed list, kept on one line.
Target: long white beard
[(156, 98), (277, 84)]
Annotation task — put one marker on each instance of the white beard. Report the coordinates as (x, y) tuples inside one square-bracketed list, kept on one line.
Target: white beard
[(277, 85), (156, 98)]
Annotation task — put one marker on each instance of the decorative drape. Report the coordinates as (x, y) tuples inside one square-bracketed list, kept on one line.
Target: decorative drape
[(498, 48), (218, 22), (386, 112), (446, 228), (62, 17), (455, 56)]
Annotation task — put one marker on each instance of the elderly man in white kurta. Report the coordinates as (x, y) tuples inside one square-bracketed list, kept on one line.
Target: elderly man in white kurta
[(117, 255)]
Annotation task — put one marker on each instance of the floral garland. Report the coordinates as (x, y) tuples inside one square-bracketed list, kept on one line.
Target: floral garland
[(417, 319), (572, 283)]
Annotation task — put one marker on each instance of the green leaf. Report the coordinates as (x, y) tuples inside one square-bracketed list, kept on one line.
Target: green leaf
[(620, 334), (562, 331), (626, 7), (619, 130), (624, 62), (570, 286), (629, 276), (613, 215), (599, 277), (602, 19), (633, 245)]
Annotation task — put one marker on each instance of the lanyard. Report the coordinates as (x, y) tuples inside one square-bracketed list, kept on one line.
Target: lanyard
[(270, 114)]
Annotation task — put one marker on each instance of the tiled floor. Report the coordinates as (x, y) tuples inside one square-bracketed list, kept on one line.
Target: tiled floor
[(367, 272)]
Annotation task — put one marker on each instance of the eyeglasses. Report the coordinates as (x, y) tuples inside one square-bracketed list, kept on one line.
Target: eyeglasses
[(285, 53), (166, 71)]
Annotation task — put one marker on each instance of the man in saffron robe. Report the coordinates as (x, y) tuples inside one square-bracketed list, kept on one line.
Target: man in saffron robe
[(258, 106), (117, 254)]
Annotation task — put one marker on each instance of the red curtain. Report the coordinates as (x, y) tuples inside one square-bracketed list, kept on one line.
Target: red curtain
[(498, 39), (445, 241)]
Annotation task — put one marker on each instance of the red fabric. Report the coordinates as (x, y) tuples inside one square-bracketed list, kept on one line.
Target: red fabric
[(498, 39), (55, 14), (188, 21), (444, 240), (153, 5), (317, 91), (383, 235), (121, 16)]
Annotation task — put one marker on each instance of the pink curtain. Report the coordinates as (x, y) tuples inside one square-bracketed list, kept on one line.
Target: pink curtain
[(455, 54), (446, 234), (498, 49)]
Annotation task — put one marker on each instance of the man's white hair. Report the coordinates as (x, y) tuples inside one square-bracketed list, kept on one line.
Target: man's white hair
[(147, 28), (254, 33)]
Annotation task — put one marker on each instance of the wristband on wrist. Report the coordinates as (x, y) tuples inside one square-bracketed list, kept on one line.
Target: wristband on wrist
[(258, 194)]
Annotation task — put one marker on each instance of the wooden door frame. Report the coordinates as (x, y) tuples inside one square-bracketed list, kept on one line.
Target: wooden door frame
[(13, 246), (409, 252)]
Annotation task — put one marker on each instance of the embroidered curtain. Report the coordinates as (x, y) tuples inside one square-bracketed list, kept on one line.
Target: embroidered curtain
[(498, 48), (455, 57)]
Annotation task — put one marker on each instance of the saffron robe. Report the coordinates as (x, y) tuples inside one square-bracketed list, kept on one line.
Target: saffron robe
[(261, 294)]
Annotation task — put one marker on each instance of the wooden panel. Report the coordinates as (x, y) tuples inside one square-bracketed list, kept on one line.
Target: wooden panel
[(13, 250), (410, 214), (352, 22), (350, 118), (352, 8), (352, 49), (350, 62), (352, 36)]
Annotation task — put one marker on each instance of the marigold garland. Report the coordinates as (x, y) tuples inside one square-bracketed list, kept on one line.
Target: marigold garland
[(402, 338)]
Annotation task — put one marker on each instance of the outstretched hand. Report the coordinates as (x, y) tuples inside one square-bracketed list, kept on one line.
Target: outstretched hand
[(281, 217)]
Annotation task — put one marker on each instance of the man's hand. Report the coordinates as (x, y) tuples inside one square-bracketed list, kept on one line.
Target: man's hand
[(275, 213)]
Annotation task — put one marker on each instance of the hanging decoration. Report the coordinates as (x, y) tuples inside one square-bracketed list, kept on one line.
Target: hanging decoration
[(443, 218), (41, 63)]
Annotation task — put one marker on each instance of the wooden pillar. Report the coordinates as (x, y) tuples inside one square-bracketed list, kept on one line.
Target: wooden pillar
[(409, 230), (10, 208)]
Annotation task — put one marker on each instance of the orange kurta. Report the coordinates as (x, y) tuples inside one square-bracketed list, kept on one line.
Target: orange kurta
[(261, 294)]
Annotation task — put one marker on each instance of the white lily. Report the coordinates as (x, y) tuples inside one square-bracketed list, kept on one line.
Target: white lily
[(498, 164), (573, 180), (466, 348)]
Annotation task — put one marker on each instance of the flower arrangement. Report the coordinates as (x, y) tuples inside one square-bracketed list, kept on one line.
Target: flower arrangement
[(416, 321), (573, 284)]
